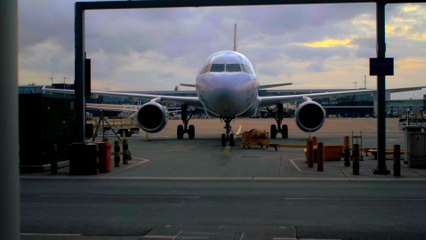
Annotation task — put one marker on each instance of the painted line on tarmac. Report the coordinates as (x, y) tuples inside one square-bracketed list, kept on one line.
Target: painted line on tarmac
[(295, 165), (143, 161), (51, 234), (356, 199), (219, 179)]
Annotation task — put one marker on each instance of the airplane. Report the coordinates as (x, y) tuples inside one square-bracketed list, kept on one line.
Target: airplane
[(227, 87)]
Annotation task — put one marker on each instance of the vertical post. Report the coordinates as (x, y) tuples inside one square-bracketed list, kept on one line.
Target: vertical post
[(125, 151), (116, 153), (397, 160), (346, 156), (9, 170), (346, 151), (54, 160), (320, 157), (355, 158), (79, 82), (381, 91), (315, 145), (345, 141), (310, 153)]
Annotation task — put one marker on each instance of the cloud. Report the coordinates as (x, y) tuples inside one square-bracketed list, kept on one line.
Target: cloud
[(159, 48), (411, 63), (329, 43)]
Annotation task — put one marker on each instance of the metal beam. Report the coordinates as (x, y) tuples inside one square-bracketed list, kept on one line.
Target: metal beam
[(216, 3), (80, 82), (381, 92), (80, 7), (9, 161)]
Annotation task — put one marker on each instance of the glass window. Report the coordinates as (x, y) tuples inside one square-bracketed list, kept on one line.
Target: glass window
[(217, 68), (233, 67), (205, 69), (246, 69)]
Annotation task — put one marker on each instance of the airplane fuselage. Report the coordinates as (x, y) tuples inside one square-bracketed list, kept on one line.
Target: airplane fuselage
[(227, 85)]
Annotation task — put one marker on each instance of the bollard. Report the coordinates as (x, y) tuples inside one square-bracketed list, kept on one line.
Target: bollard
[(97, 159), (116, 153), (320, 157), (397, 160), (54, 160), (346, 141), (125, 151), (346, 155), (310, 153), (355, 158), (315, 145), (314, 141)]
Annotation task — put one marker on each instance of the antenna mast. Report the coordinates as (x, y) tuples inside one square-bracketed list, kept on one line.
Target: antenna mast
[(235, 37)]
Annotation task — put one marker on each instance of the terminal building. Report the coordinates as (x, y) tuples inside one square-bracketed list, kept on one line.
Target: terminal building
[(346, 106)]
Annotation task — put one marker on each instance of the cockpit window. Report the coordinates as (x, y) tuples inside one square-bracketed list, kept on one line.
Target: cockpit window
[(217, 68), (233, 68), (205, 69), (246, 68)]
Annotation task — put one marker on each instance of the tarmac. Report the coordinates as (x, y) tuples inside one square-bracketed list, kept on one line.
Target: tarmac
[(161, 156)]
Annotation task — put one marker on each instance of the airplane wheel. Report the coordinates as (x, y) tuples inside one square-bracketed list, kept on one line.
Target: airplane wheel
[(284, 131), (191, 131), (180, 132), (223, 140), (273, 131), (231, 140)]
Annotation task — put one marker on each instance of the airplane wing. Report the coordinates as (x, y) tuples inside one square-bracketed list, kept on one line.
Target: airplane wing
[(263, 86), (270, 100), (193, 101), (112, 107)]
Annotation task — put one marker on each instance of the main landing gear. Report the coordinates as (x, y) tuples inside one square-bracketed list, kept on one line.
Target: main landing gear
[(182, 129), (228, 136), (279, 128)]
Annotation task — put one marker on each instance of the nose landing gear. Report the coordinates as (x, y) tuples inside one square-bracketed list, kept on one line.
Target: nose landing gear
[(228, 136)]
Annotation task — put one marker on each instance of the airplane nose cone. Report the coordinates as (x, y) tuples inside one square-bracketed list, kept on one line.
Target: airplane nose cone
[(227, 96)]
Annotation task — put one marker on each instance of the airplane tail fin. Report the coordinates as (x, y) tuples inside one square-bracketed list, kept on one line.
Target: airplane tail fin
[(235, 37)]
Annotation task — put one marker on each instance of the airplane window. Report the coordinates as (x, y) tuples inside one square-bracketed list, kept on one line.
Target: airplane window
[(233, 67), (246, 68), (217, 68), (205, 69)]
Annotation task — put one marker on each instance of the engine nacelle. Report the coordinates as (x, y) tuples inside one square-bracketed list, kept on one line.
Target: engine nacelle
[(152, 117), (310, 116)]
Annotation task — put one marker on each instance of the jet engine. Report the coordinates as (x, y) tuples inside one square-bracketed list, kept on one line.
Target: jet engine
[(310, 116), (152, 117)]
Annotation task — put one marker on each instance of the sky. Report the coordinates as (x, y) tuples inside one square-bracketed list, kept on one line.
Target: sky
[(312, 46)]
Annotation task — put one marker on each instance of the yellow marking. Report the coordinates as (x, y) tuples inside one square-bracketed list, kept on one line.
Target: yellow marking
[(227, 150)]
